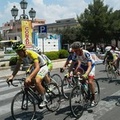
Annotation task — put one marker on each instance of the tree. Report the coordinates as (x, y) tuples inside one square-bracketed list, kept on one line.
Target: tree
[(70, 34), (115, 25), (95, 22)]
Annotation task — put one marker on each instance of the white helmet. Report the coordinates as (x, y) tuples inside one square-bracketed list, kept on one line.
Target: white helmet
[(39, 51), (108, 48)]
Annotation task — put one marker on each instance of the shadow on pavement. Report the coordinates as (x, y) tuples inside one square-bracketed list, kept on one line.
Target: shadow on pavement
[(104, 79)]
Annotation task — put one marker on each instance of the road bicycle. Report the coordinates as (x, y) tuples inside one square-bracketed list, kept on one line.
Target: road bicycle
[(24, 103), (80, 96)]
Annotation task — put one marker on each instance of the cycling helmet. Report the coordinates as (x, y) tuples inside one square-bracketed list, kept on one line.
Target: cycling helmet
[(18, 46), (76, 45), (39, 51)]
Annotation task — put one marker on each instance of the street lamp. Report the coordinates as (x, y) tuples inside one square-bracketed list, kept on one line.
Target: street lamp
[(23, 5), (32, 13), (14, 12)]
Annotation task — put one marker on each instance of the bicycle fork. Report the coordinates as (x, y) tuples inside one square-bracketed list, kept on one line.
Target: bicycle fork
[(24, 105)]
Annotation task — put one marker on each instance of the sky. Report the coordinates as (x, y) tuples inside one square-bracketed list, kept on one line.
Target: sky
[(50, 10)]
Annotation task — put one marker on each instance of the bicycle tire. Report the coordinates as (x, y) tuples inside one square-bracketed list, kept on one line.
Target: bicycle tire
[(106, 67), (111, 73), (97, 92), (57, 78), (77, 102), (66, 87), (21, 101), (53, 97)]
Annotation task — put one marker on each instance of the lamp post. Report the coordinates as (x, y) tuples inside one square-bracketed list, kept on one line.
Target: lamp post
[(32, 13), (23, 5), (14, 12)]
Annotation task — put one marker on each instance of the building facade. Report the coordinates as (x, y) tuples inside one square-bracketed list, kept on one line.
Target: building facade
[(59, 25), (11, 29)]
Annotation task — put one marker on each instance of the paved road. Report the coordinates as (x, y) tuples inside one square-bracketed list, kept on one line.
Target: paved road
[(106, 110)]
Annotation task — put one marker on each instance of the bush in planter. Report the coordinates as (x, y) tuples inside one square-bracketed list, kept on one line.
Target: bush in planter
[(13, 61), (52, 55), (63, 53)]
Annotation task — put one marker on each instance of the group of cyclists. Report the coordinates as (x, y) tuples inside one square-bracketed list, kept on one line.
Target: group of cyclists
[(83, 62), (80, 59)]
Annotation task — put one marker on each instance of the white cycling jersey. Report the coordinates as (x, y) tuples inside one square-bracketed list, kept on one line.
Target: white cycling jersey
[(85, 58)]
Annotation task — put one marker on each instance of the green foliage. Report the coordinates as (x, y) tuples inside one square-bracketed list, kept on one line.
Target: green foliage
[(69, 34), (52, 55), (63, 53), (95, 22), (13, 61)]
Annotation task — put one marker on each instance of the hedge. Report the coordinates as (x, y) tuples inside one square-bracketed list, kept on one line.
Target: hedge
[(53, 55)]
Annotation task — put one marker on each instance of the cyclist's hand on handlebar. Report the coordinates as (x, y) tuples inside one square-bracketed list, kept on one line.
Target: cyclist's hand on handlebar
[(62, 70), (28, 80), (10, 79)]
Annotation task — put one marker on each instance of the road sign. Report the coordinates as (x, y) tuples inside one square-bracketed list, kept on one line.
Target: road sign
[(42, 29)]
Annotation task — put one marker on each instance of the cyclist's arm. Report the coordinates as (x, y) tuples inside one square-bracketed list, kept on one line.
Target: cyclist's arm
[(68, 60), (78, 65), (16, 69), (66, 63), (50, 66), (36, 65), (89, 68), (105, 56)]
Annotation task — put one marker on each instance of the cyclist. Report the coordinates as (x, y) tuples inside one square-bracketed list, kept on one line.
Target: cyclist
[(111, 56), (87, 63), (40, 69), (71, 61)]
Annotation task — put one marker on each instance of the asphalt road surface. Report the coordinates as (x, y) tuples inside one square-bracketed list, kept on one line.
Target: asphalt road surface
[(107, 109)]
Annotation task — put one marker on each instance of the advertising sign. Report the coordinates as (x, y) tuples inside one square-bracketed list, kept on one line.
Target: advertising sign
[(27, 33)]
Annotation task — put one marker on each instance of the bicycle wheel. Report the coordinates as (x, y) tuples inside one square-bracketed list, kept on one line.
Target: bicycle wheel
[(106, 67), (53, 97), (56, 78), (22, 108), (111, 73), (77, 102), (67, 86), (97, 92)]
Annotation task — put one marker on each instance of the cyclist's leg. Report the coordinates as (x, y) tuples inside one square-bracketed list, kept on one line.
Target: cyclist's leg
[(38, 82), (47, 78), (91, 84)]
